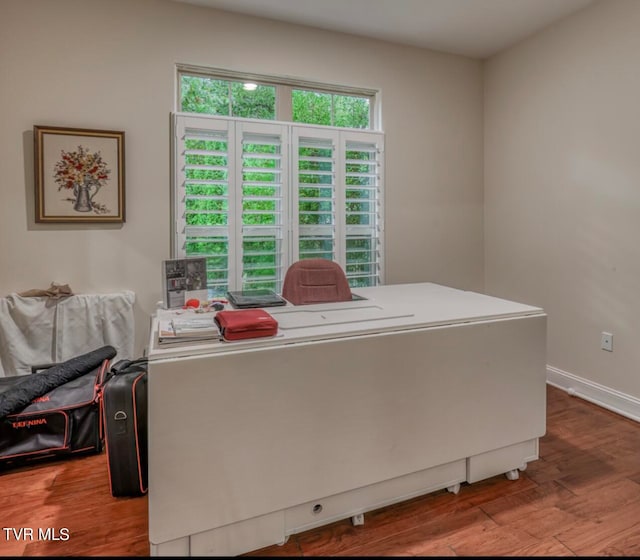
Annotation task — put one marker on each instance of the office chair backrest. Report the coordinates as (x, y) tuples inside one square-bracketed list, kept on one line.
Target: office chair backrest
[(315, 281)]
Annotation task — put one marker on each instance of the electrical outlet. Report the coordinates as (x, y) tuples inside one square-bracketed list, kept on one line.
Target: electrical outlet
[(606, 342)]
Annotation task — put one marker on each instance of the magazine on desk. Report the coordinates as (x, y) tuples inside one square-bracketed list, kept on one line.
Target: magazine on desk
[(188, 328)]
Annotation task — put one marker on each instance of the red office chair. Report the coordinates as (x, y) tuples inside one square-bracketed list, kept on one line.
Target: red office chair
[(315, 281)]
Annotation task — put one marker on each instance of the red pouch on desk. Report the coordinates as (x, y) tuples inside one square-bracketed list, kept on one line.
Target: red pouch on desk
[(246, 323)]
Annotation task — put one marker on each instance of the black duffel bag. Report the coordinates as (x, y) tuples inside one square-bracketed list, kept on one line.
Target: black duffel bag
[(64, 421)]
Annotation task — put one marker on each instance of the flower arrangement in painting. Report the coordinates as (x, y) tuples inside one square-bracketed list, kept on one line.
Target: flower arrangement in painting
[(83, 173)]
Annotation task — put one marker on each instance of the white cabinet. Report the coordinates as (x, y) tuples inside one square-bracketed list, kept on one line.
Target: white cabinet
[(250, 442)]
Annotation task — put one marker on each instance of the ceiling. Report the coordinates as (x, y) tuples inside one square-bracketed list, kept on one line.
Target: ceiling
[(475, 28)]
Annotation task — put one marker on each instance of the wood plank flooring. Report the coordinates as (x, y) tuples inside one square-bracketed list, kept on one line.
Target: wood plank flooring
[(581, 498)]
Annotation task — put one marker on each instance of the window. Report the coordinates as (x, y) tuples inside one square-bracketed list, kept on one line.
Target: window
[(253, 197), (202, 94), (270, 170), (225, 93), (316, 107)]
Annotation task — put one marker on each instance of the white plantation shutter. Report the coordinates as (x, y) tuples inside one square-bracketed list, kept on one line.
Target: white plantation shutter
[(203, 201), (314, 170), (337, 200), (252, 203), (263, 175), (362, 203)]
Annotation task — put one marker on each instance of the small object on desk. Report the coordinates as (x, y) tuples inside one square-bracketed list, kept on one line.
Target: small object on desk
[(204, 306), (194, 303), (245, 299), (246, 323)]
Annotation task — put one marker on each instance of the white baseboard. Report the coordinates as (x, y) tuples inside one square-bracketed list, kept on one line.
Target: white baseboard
[(595, 393)]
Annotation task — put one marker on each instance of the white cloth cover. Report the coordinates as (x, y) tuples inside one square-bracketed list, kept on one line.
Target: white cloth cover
[(40, 330)]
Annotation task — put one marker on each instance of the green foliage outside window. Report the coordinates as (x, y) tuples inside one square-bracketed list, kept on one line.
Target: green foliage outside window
[(311, 107), (199, 94), (222, 97), (330, 109), (204, 95), (351, 112), (257, 104)]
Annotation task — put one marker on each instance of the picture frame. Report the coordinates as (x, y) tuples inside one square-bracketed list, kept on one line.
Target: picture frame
[(184, 279), (79, 175)]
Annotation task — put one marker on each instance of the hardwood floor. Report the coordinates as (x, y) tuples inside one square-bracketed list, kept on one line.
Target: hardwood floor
[(581, 498)]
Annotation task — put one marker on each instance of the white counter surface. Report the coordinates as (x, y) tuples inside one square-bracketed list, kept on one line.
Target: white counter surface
[(386, 308)]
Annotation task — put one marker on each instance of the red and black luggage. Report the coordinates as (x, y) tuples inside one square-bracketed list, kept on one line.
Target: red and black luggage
[(125, 421), (63, 414)]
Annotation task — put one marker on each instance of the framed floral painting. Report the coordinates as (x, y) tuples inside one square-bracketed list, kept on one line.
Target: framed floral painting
[(79, 175)]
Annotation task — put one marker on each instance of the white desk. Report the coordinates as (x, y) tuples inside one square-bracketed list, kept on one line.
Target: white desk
[(351, 407)]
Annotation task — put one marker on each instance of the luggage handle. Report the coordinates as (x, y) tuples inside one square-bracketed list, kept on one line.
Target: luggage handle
[(127, 366)]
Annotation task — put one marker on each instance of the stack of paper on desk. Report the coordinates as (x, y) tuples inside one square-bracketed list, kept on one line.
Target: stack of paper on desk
[(188, 329)]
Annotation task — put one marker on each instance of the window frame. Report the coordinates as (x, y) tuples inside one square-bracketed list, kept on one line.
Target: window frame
[(284, 87)]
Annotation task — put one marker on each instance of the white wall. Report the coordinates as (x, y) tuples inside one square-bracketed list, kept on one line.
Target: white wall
[(562, 187), (110, 64)]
